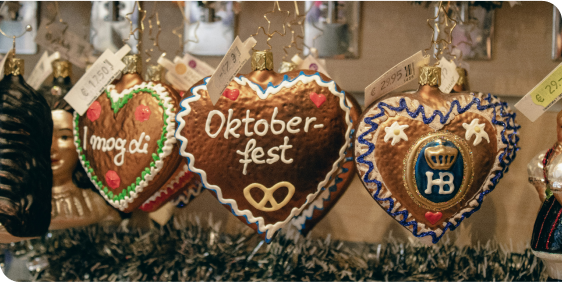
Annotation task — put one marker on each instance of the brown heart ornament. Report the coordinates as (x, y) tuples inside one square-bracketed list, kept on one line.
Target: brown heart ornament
[(126, 142), (266, 149), (429, 158), (319, 208)]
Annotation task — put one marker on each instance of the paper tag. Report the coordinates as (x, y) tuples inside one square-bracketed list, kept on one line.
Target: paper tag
[(402, 73), (90, 86), (184, 72), (542, 96), (312, 63), (199, 66), (71, 46), (230, 65), (42, 70), (449, 75)]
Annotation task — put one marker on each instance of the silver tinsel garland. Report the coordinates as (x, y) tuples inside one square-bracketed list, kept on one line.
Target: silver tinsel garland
[(203, 253)]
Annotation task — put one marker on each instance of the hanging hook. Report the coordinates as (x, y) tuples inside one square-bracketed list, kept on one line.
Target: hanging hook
[(28, 28), (434, 25)]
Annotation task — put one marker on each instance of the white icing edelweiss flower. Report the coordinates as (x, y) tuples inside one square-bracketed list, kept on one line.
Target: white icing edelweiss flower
[(475, 129), (396, 132)]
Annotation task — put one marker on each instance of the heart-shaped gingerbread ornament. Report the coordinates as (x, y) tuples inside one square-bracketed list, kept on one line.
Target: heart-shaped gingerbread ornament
[(126, 143), (317, 209), (270, 151), (429, 158)]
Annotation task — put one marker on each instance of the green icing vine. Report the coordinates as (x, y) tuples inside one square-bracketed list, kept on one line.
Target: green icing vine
[(116, 106)]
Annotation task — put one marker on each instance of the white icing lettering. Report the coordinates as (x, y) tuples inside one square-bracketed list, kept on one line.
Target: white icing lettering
[(318, 126), (118, 144), (266, 127), (275, 121), (137, 145), (253, 153), (85, 138), (229, 128), (294, 122), (246, 121), (441, 182), (274, 157), (307, 123), (284, 147), (249, 147), (208, 123), (257, 154), (107, 146)]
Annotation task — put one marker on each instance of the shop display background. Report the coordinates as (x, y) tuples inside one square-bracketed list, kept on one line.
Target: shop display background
[(391, 32)]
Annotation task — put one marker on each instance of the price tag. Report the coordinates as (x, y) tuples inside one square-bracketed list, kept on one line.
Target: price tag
[(230, 65), (90, 86), (542, 96), (185, 72), (71, 46), (199, 66), (42, 70), (449, 75), (312, 63), (402, 73)]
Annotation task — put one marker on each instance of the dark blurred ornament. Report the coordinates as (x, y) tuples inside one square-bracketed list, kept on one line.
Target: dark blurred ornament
[(26, 131)]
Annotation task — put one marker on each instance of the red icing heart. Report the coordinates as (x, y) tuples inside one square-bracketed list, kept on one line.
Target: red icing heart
[(142, 113), (318, 100), (112, 178), (232, 94), (433, 217), (94, 111)]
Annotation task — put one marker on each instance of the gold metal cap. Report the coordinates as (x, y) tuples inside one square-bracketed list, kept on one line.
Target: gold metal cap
[(154, 73), (462, 77), (14, 66), (61, 68), (262, 60), (133, 64), (287, 66), (430, 76)]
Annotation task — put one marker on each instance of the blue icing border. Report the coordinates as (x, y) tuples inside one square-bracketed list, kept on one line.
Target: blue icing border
[(285, 78), (509, 153), (334, 187)]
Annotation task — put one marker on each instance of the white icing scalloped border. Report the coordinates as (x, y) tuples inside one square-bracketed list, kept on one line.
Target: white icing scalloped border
[(360, 149), (176, 180), (166, 148), (191, 193), (270, 229)]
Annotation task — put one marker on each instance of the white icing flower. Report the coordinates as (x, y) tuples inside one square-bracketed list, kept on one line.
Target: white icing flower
[(396, 132), (475, 129)]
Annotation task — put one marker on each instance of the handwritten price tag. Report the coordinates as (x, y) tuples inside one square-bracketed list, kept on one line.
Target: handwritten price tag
[(42, 70), (542, 96), (449, 75), (233, 61), (402, 73), (71, 46), (90, 86)]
